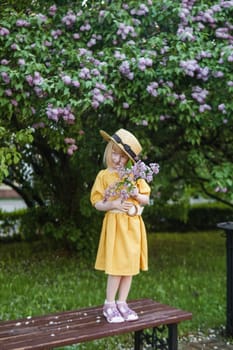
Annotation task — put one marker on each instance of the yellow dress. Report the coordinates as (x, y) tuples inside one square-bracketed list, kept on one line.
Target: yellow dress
[(122, 247)]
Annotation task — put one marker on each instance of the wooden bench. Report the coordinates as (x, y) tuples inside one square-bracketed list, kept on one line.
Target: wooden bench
[(87, 324)]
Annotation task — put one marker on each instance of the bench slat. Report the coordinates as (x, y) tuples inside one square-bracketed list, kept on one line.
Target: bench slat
[(73, 327)]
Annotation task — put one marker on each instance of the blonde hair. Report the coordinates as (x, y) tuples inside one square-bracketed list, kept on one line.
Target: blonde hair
[(107, 158)]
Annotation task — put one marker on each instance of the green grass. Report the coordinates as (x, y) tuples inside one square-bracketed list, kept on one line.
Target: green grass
[(185, 270)]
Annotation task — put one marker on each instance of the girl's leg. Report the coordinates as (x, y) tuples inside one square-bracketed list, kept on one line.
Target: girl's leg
[(124, 287), (113, 284), (110, 310)]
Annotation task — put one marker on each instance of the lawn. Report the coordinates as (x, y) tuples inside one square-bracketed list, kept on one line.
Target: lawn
[(186, 270)]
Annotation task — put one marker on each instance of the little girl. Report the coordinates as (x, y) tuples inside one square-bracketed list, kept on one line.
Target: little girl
[(122, 250)]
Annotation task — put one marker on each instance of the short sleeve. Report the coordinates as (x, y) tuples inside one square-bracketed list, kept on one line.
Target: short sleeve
[(98, 189), (143, 187)]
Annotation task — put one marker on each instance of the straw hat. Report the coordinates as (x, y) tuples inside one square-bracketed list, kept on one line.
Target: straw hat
[(126, 141)]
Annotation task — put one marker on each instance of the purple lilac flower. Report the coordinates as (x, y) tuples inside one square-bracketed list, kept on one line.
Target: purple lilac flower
[(101, 86), (164, 49), (8, 92), (55, 113), (141, 11), (39, 125), (230, 58), (4, 31), (84, 52), (69, 19), (97, 95), (152, 88), (85, 27), (221, 189), (143, 63), (218, 74), (21, 62), (125, 70), (125, 30), (76, 36), (47, 43), (37, 79), (52, 10), (191, 67), (76, 83), (91, 42), (125, 6), (39, 92), (182, 97), (29, 79), (85, 74), (136, 22), (186, 34), (42, 18), (68, 116), (14, 103), (119, 55), (125, 105), (226, 4), (128, 178), (100, 94), (56, 33), (67, 80), (95, 72), (5, 77), (14, 47), (69, 140), (102, 13), (4, 62), (204, 54), (22, 23), (222, 33), (170, 84), (216, 8), (144, 122), (71, 149), (52, 113), (222, 108), (199, 94), (204, 107)]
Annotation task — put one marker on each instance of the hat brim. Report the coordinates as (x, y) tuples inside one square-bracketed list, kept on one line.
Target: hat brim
[(106, 136)]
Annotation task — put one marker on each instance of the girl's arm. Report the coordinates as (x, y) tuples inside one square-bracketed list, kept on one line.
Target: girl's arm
[(142, 199), (111, 205)]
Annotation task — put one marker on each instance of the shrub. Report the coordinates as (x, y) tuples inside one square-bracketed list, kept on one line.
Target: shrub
[(199, 217)]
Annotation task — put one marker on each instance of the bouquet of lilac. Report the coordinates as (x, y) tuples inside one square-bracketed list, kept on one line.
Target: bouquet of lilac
[(128, 178)]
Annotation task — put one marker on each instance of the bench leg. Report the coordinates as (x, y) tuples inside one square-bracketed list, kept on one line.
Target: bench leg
[(172, 337), (154, 338), (138, 343)]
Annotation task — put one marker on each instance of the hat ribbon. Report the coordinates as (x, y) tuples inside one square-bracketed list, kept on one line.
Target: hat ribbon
[(127, 148)]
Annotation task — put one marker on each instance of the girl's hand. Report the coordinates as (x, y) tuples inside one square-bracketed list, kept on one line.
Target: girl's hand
[(123, 206)]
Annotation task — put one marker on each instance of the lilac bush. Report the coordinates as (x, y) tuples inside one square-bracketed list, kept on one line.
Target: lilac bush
[(162, 69)]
